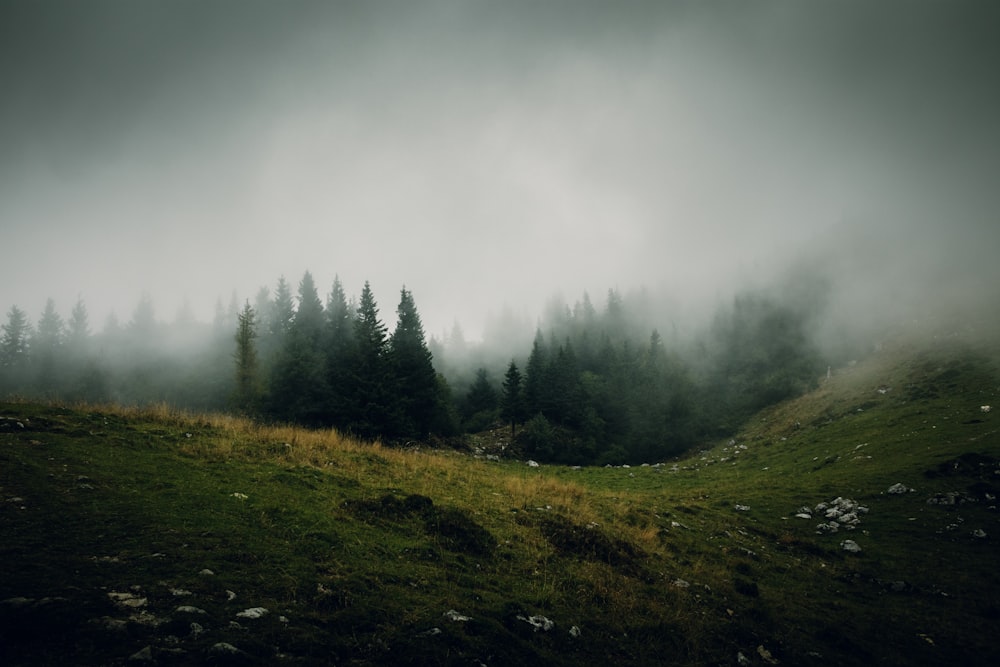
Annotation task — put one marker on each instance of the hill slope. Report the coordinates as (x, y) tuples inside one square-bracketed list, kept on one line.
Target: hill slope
[(152, 537)]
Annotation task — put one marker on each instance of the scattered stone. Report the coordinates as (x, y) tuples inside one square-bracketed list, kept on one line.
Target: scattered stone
[(741, 659), (142, 655), (188, 609), (742, 508), (453, 615), (680, 583), (180, 592), (574, 632), (985, 408), (224, 648), (851, 546), (979, 534), (252, 612), (538, 622), (433, 632), (898, 488), (239, 496), (766, 656), (207, 573), (532, 464), (230, 595), (128, 600)]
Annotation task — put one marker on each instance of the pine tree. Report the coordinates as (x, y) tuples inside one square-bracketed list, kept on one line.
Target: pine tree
[(368, 382), (411, 365), (14, 346), (78, 327), (248, 386), (47, 346), (512, 399), (308, 320), (337, 343), (481, 402)]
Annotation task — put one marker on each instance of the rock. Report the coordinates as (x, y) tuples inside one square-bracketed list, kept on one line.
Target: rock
[(143, 655), (979, 533), (207, 573), (453, 615), (897, 489), (538, 622), (532, 464), (851, 546), (574, 632), (188, 609), (224, 648), (766, 656), (742, 508), (252, 612)]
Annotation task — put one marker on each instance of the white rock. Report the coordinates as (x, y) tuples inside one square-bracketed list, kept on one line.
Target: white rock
[(453, 615), (538, 622), (224, 648), (897, 489), (252, 612), (188, 609), (851, 546), (979, 533), (574, 632), (532, 464)]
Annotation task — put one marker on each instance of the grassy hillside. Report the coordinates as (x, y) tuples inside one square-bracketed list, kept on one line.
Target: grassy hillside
[(151, 537)]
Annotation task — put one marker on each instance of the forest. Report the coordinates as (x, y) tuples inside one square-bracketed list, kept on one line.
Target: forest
[(595, 385)]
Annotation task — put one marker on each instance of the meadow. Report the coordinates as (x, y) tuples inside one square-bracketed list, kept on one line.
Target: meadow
[(155, 536)]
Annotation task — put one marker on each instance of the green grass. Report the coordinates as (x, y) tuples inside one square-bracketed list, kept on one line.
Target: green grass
[(358, 551)]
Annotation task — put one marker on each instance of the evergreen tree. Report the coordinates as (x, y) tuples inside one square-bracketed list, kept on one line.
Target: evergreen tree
[(415, 382), (535, 375), (481, 402), (47, 346), (512, 407), (14, 345), (78, 327), (338, 340), (248, 386), (368, 382), (308, 320)]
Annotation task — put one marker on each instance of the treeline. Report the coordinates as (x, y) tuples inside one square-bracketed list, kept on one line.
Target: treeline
[(596, 385)]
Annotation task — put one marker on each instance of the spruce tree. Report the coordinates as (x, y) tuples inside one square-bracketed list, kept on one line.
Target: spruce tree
[(512, 399), (248, 386), (14, 345), (47, 346), (481, 402), (368, 381), (337, 342), (415, 382)]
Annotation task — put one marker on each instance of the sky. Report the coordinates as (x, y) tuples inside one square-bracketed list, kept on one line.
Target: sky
[(489, 155)]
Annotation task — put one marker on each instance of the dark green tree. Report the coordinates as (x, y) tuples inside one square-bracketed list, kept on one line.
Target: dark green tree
[(414, 381), (512, 407), (308, 319), (368, 381), (248, 383), (14, 346), (337, 343), (47, 349), (479, 409)]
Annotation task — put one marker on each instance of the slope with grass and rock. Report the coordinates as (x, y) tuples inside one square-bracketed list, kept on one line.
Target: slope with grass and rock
[(854, 525)]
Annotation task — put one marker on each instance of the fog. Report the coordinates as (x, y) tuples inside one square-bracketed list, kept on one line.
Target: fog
[(490, 155)]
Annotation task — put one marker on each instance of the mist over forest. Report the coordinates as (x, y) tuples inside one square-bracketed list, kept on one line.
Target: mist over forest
[(610, 231), (619, 377)]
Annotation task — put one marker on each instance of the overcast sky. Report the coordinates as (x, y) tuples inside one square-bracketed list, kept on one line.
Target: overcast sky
[(488, 153)]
